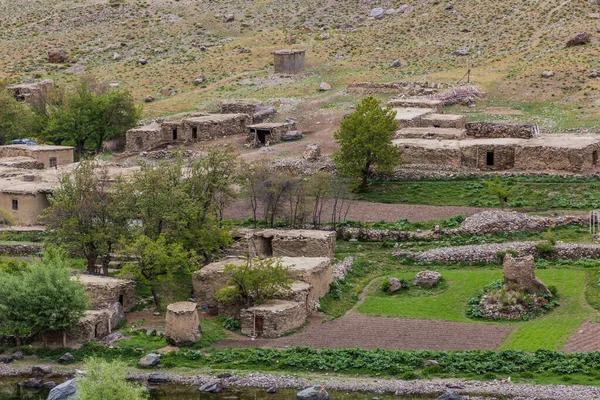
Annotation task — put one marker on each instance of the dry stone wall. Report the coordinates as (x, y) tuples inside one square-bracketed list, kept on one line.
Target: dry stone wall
[(410, 88), (495, 130)]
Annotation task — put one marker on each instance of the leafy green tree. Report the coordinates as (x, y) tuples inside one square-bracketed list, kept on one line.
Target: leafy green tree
[(55, 302), (106, 381), (255, 281), (155, 262), (91, 114), (15, 319), (16, 118), (85, 216), (6, 218), (365, 142), (502, 189)]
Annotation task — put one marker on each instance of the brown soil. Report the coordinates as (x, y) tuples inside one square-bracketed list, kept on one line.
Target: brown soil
[(368, 332), (151, 322), (502, 111), (370, 212), (586, 339)]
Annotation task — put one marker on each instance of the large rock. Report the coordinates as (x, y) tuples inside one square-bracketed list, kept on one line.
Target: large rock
[(212, 387), (32, 383), (377, 13), (313, 393), (291, 135), (63, 391), (149, 360), (579, 39), (426, 278), (66, 358), (18, 355), (57, 56), (229, 18), (403, 8), (312, 152), (519, 274), (548, 74), (41, 370), (324, 87), (395, 284), (462, 52)]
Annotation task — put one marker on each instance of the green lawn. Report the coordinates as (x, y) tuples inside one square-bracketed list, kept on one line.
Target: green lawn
[(547, 332)]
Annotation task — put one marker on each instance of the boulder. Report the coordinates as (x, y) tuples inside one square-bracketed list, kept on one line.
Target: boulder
[(41, 370), (461, 52), (158, 378), (32, 383), (430, 363), (548, 74), (313, 393), (142, 61), (396, 63), (229, 18), (149, 99), (271, 390), (579, 39), (211, 387), (395, 284), (312, 152), (448, 7), (57, 56), (426, 278), (66, 358), (450, 396), (377, 13), (199, 80), (224, 375), (63, 391), (324, 87), (113, 338), (6, 360), (149, 360), (391, 11), (18, 355), (116, 56), (291, 135), (403, 8), (594, 74)]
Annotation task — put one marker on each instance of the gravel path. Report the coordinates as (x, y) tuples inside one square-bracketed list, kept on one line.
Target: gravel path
[(354, 330), (586, 339), (371, 212)]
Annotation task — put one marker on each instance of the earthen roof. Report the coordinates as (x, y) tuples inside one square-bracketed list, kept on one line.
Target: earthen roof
[(38, 147)]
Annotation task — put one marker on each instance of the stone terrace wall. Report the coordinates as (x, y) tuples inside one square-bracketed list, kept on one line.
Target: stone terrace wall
[(489, 253), (411, 88), (494, 130)]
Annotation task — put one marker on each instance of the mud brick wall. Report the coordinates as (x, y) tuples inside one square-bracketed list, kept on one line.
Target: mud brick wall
[(494, 130)]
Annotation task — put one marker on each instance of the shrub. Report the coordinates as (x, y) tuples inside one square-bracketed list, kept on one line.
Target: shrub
[(410, 376), (546, 248), (489, 375), (232, 324)]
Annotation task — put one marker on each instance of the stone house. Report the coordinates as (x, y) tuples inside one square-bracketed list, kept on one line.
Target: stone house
[(48, 156), (267, 133), (104, 290), (289, 62), (290, 243), (25, 195)]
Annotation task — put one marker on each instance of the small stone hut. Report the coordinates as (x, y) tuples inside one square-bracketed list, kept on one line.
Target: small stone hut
[(292, 243), (104, 290), (49, 156), (183, 324), (271, 133), (289, 62), (273, 318)]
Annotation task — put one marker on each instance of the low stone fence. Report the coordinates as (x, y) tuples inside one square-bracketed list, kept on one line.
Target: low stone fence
[(495, 130), (411, 88), (491, 253), (20, 249)]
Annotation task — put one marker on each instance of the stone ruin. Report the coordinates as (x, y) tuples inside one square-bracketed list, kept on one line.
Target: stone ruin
[(252, 107), (519, 274), (272, 319), (265, 134), (28, 91), (183, 324), (103, 290), (406, 88), (291, 243)]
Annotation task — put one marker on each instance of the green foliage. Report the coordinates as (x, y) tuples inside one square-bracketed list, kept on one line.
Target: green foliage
[(344, 293), (255, 281), (501, 189), (6, 218), (16, 118), (91, 114), (155, 262), (385, 285), (545, 248), (106, 381), (232, 324), (365, 142)]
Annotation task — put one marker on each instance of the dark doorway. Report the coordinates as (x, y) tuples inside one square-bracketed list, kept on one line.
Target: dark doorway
[(194, 133), (265, 246), (261, 135), (121, 299), (490, 158), (258, 325), (595, 157), (175, 134)]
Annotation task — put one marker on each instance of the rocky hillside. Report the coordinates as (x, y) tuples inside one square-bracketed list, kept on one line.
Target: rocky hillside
[(509, 44)]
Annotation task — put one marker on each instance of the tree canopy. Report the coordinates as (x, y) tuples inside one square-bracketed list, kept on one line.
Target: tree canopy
[(365, 143), (90, 114), (16, 118), (106, 381)]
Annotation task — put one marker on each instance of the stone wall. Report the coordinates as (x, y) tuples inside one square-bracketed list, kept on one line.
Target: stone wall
[(543, 158), (20, 249), (476, 157), (495, 130), (275, 318), (410, 88), (412, 154), (292, 243), (104, 290)]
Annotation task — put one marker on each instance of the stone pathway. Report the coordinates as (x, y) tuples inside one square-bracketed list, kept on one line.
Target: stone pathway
[(354, 330)]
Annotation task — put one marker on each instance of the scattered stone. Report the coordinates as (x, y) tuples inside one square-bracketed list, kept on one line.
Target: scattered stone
[(224, 375), (454, 386), (168, 91), (448, 7), (6, 360), (341, 269), (156, 377), (149, 99), (324, 87), (396, 63), (32, 383), (594, 74), (18, 355), (64, 391), (594, 15), (325, 36), (113, 84), (403, 8), (116, 56), (391, 12), (579, 39), (449, 395), (426, 278), (291, 40), (66, 358), (291, 135), (49, 385), (156, 313), (41, 370), (313, 393), (461, 52), (212, 387), (113, 337), (394, 284), (377, 13), (430, 363), (548, 74), (271, 390), (465, 30), (312, 152), (57, 56), (142, 61), (149, 360), (229, 18), (243, 50), (199, 80)]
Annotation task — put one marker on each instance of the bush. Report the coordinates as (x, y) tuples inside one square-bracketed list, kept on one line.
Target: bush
[(232, 324), (489, 375), (410, 376), (546, 248)]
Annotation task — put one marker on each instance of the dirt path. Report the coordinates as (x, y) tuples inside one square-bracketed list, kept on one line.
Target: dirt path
[(387, 333), (585, 339), (371, 212)]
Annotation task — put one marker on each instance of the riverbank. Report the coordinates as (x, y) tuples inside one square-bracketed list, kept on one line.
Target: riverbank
[(470, 389)]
